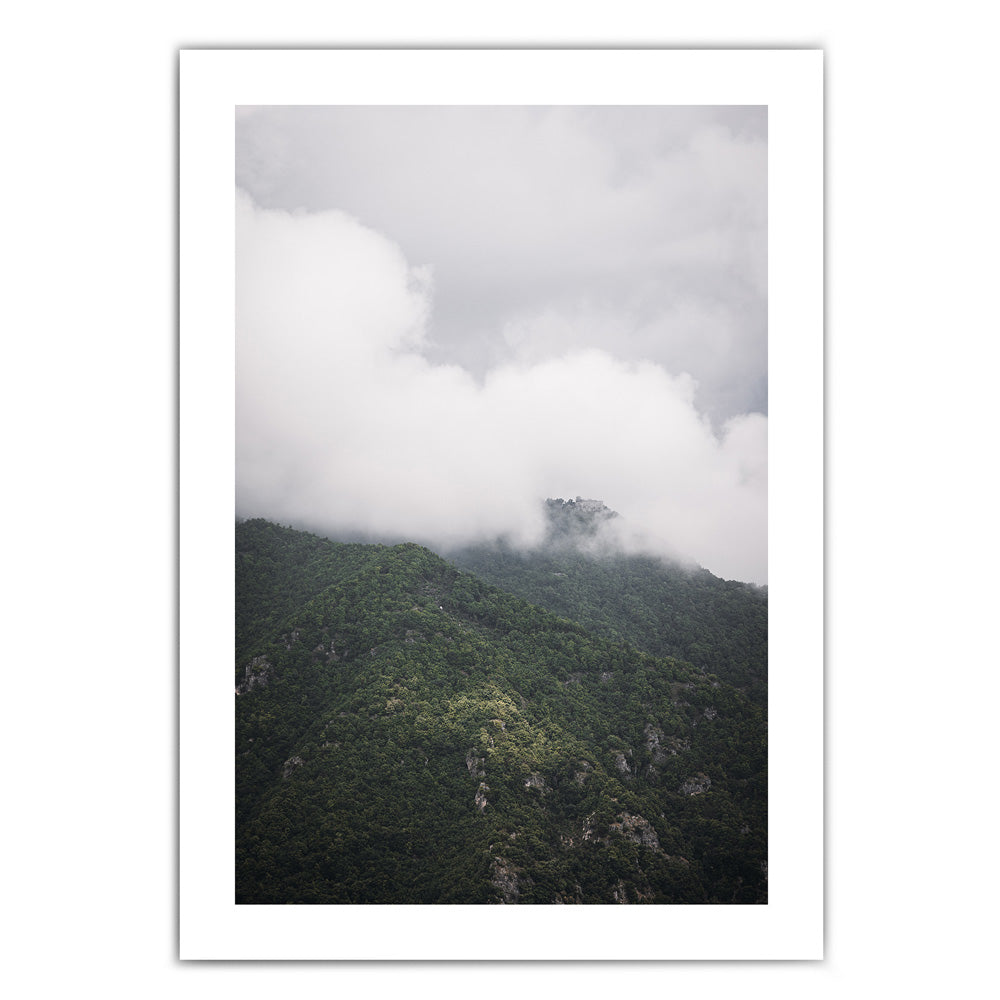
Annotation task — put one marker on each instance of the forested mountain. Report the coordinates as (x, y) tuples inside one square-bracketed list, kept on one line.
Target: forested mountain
[(665, 608), (408, 733)]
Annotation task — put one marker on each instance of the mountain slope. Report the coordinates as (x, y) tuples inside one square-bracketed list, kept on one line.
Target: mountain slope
[(408, 733), (664, 608), (278, 569)]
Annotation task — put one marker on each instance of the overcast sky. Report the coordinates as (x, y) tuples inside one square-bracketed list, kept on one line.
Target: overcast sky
[(445, 315)]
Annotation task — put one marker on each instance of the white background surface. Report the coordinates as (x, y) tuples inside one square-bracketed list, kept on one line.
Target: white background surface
[(89, 414), (790, 84)]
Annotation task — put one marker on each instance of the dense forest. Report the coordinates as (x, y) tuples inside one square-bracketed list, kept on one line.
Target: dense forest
[(665, 608), (407, 732)]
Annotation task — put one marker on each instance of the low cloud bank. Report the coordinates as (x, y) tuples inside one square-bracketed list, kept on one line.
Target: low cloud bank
[(343, 423)]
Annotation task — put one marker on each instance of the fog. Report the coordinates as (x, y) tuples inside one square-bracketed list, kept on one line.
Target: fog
[(349, 419)]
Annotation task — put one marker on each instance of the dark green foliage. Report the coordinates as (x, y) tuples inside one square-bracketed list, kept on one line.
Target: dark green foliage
[(666, 609), (406, 733), (278, 569)]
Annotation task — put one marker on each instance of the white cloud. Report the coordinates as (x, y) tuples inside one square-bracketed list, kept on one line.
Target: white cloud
[(654, 215), (343, 423)]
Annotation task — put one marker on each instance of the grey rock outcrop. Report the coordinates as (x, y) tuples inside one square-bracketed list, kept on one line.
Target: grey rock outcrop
[(290, 765), (697, 784), (258, 674)]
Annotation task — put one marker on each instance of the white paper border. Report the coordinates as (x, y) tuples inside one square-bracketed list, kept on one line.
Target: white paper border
[(790, 83)]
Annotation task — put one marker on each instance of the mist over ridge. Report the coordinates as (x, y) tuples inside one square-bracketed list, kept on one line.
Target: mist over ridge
[(435, 361), (344, 425)]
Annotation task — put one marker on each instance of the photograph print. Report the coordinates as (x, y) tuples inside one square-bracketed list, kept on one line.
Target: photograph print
[(501, 532)]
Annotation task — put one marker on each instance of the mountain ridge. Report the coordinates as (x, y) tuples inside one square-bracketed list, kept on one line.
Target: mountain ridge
[(662, 606)]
